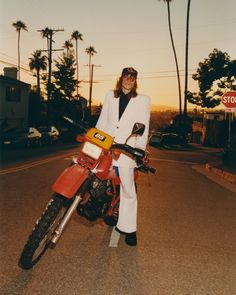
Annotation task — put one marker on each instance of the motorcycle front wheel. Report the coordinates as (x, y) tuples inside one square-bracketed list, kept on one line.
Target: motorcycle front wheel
[(42, 234)]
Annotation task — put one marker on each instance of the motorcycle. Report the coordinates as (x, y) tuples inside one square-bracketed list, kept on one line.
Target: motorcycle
[(90, 186)]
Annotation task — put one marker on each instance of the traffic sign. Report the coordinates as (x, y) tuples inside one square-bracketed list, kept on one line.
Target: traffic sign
[(229, 99)]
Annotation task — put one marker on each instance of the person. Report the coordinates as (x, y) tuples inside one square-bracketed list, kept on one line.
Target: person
[(122, 108)]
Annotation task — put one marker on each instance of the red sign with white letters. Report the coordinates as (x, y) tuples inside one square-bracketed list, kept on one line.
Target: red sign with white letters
[(229, 99)]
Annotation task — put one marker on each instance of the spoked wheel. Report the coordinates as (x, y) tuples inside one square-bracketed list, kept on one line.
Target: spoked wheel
[(42, 234)]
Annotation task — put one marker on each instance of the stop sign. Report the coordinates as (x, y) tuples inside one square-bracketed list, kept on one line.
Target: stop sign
[(229, 99)]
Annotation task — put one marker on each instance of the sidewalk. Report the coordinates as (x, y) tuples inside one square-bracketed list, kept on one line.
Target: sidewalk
[(223, 172), (217, 168)]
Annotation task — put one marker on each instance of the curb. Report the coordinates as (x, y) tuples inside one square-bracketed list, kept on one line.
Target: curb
[(230, 177)]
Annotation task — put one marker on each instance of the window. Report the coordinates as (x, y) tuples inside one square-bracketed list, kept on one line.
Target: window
[(13, 93)]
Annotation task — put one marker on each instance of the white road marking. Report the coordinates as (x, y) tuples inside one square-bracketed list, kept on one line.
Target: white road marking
[(173, 161), (114, 240), (34, 163)]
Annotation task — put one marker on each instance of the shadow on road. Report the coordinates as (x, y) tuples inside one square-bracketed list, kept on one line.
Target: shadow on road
[(18, 283)]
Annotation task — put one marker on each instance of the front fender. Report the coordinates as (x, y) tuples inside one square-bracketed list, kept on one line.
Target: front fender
[(68, 183)]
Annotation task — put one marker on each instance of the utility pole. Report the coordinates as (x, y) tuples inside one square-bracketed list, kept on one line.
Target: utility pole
[(51, 32), (91, 88)]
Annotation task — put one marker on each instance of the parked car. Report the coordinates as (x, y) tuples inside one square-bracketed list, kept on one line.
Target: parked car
[(67, 135), (162, 139), (155, 139), (21, 137), (50, 134), (170, 139)]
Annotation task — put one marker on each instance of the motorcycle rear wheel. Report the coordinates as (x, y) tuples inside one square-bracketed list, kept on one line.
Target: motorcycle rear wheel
[(42, 234)]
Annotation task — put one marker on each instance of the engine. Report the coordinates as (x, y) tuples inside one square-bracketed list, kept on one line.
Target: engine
[(96, 201)]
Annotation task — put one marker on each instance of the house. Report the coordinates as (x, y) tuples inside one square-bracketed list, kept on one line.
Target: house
[(218, 116), (211, 129), (14, 100)]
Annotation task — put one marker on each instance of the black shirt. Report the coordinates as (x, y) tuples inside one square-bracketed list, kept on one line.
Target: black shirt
[(124, 100)]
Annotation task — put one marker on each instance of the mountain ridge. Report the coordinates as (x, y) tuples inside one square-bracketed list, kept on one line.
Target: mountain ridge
[(163, 108)]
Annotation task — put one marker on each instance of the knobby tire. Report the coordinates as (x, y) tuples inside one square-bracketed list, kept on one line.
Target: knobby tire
[(43, 231)]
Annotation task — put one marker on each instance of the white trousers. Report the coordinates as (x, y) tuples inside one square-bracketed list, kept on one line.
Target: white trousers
[(127, 220)]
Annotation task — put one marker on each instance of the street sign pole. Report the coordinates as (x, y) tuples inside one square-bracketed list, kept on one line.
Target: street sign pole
[(229, 137), (229, 101)]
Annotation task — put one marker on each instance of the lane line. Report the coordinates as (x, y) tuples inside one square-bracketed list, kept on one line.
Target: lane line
[(33, 164), (175, 161), (114, 240), (68, 157)]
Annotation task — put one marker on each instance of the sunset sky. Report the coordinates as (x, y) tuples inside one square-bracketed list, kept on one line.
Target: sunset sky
[(124, 33)]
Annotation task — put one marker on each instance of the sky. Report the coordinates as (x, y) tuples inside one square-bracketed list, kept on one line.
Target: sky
[(124, 33)]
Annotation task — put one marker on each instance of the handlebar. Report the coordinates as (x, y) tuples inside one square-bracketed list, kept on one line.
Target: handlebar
[(138, 153), (129, 149), (77, 125), (146, 169)]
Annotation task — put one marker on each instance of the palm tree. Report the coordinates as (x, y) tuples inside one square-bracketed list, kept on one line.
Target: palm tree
[(90, 51), (45, 33), (67, 45), (38, 62), (175, 56), (186, 59), (19, 25), (76, 35), (48, 33)]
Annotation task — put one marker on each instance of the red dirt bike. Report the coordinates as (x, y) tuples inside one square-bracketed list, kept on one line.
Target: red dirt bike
[(88, 185)]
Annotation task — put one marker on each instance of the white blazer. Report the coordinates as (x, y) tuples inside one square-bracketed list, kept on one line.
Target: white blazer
[(137, 111)]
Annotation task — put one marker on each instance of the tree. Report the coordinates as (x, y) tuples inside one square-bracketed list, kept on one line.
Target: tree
[(76, 35), (90, 51), (64, 76), (45, 33), (175, 56), (19, 25), (215, 73), (68, 46), (38, 62), (186, 60), (37, 109)]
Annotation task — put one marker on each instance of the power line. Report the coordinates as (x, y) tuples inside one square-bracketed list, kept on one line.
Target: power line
[(48, 35), (104, 80), (143, 78), (148, 73), (10, 59), (13, 65)]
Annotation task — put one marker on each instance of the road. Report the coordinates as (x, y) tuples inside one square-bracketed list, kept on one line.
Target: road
[(186, 234)]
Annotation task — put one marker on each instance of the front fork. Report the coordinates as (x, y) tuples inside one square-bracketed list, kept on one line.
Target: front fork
[(73, 206), (65, 219)]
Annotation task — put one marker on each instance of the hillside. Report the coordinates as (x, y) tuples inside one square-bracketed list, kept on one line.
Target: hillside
[(162, 108)]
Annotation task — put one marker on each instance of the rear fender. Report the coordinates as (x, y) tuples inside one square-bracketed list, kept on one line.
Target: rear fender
[(71, 179)]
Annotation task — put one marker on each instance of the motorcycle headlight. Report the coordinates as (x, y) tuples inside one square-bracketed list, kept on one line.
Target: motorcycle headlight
[(92, 150)]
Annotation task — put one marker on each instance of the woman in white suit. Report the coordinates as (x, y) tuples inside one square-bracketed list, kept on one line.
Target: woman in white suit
[(123, 107)]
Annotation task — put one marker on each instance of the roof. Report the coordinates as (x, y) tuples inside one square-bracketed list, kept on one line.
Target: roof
[(13, 81)]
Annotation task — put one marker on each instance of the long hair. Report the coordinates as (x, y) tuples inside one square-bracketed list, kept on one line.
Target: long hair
[(118, 89)]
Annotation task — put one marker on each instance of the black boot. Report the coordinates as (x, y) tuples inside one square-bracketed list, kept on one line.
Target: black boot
[(110, 220), (131, 239)]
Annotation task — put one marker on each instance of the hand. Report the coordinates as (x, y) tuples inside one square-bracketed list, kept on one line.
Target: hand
[(116, 154), (145, 160)]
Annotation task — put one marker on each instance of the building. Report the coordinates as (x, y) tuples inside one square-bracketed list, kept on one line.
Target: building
[(14, 100), (211, 129), (218, 116)]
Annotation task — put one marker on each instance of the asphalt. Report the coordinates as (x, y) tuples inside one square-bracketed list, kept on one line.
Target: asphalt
[(217, 167), (215, 170)]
